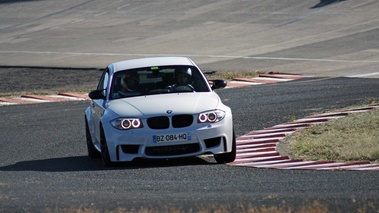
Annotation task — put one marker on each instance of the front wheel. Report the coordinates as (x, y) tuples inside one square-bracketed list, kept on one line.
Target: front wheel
[(227, 157), (105, 157), (92, 151)]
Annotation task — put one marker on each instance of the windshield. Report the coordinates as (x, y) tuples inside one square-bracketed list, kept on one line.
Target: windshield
[(157, 80)]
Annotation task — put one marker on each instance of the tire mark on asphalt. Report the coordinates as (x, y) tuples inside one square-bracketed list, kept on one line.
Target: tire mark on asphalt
[(47, 16)]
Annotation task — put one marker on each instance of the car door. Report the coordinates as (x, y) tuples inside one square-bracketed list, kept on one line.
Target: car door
[(98, 105)]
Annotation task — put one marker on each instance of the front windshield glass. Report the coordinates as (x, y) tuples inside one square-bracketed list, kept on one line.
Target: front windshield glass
[(157, 80)]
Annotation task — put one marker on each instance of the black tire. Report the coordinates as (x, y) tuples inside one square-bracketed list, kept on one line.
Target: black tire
[(92, 151), (105, 157), (227, 157)]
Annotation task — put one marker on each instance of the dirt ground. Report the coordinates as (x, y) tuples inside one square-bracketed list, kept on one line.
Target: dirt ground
[(16, 81), (19, 80)]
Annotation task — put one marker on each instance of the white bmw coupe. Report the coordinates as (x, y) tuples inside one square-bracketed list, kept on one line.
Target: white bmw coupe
[(158, 108)]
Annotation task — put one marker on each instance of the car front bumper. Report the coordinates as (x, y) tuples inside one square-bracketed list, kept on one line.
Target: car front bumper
[(127, 145)]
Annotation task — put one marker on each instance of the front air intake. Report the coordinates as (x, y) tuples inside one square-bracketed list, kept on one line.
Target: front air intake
[(212, 142), (172, 150)]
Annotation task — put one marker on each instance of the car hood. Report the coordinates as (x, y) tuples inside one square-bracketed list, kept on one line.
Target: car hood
[(153, 105)]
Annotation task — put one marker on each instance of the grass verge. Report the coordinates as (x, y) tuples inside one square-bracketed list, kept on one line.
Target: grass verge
[(351, 138)]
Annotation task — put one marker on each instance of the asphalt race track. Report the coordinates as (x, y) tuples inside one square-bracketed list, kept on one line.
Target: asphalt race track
[(43, 162)]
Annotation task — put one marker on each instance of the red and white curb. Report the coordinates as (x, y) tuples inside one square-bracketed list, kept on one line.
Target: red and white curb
[(32, 99), (269, 78), (258, 148)]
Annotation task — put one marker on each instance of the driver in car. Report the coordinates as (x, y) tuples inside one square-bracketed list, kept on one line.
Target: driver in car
[(129, 84), (183, 80)]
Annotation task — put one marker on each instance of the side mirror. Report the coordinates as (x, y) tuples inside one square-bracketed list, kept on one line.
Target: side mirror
[(218, 84), (96, 94)]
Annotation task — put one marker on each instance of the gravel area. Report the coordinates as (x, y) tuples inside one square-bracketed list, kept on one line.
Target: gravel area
[(18, 80)]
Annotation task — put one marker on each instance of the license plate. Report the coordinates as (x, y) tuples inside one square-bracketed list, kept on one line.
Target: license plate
[(171, 137)]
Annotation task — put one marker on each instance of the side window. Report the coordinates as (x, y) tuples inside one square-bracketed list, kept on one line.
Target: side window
[(103, 83), (198, 82)]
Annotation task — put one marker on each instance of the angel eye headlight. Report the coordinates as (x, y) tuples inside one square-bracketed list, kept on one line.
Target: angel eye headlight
[(211, 116), (202, 118), (127, 123), (136, 123)]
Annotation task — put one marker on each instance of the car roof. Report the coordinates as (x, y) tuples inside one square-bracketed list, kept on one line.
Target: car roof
[(149, 62)]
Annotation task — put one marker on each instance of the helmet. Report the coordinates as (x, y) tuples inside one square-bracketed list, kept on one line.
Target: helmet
[(130, 81), (187, 72)]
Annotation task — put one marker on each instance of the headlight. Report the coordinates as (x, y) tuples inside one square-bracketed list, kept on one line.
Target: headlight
[(211, 116), (127, 123)]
